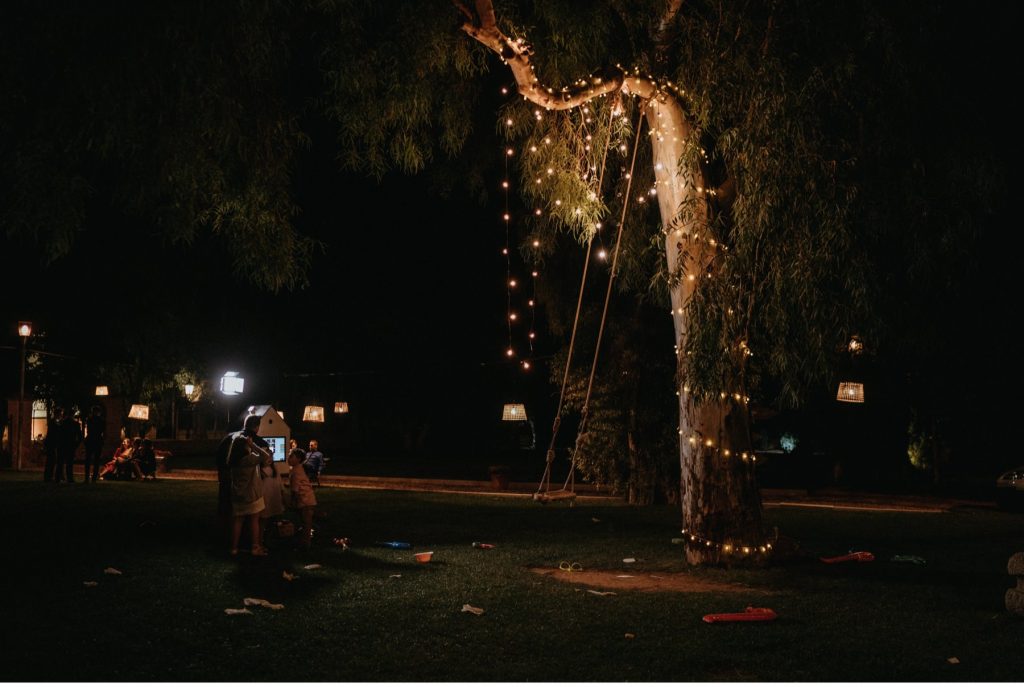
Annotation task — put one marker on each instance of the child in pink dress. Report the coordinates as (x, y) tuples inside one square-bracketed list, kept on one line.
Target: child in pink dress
[(303, 499)]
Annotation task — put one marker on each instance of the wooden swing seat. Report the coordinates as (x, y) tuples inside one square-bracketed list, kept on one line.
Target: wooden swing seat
[(559, 495)]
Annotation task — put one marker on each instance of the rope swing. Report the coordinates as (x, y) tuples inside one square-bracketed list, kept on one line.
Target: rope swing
[(545, 493)]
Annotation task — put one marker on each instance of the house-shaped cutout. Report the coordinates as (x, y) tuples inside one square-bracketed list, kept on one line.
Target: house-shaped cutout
[(275, 430)]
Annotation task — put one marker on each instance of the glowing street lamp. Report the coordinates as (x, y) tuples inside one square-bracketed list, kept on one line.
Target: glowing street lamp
[(102, 391), (313, 414), (24, 331), (231, 384)]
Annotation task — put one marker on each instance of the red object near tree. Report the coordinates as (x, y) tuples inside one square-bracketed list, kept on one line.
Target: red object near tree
[(750, 615), (859, 556)]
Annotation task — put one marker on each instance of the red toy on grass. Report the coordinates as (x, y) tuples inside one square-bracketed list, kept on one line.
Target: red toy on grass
[(859, 556), (751, 614)]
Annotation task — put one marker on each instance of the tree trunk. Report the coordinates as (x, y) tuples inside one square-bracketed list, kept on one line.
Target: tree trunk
[(722, 517)]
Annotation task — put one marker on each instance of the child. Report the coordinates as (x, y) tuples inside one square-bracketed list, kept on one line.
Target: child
[(272, 501), (302, 496)]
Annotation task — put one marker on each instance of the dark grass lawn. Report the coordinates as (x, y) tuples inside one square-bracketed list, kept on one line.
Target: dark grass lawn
[(163, 619)]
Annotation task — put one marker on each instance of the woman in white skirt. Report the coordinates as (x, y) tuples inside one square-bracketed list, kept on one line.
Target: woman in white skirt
[(244, 460)]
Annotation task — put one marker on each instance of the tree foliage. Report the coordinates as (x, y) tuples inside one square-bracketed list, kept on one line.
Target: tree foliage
[(180, 114)]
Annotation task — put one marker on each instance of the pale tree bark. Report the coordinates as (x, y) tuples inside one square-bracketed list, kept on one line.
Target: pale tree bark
[(721, 506)]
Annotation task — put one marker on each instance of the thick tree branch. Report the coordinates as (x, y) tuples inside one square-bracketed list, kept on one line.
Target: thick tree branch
[(516, 54)]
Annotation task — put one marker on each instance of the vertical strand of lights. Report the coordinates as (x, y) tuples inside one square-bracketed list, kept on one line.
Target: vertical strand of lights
[(510, 316), (532, 333)]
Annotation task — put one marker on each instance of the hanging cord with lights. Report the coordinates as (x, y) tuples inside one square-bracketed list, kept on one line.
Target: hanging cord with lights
[(544, 492)]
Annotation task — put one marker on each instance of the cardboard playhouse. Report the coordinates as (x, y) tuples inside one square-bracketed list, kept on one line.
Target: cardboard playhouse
[(275, 431)]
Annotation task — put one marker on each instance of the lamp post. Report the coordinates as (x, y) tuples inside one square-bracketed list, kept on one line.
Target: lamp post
[(24, 331), (231, 385)]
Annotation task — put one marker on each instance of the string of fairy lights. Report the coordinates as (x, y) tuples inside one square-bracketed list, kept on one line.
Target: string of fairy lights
[(726, 547), (513, 282), (682, 229)]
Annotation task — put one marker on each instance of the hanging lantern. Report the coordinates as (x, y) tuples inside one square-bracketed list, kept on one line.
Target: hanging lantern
[(313, 414), (139, 412), (513, 412), (850, 392), (102, 391), (341, 407)]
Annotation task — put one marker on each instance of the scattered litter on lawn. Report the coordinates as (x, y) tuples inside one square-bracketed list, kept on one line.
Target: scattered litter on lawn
[(597, 593), (112, 571), (250, 601), (858, 556), (237, 611), (953, 659), (466, 608), (595, 519), (395, 576), (343, 542), (902, 558), (481, 545), (630, 635), (288, 576), (750, 614), (570, 567), (90, 583), (312, 566), (395, 544), (629, 560)]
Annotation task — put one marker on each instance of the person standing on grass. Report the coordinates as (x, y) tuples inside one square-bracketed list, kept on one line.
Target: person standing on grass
[(243, 455), (249, 428), (95, 433), (302, 497), (273, 503), (50, 448), (314, 462), (67, 437)]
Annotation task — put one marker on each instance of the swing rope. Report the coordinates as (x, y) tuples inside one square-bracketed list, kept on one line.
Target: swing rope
[(568, 488)]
